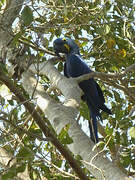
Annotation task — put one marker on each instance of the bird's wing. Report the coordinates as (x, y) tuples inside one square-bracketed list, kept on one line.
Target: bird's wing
[(76, 67), (100, 93)]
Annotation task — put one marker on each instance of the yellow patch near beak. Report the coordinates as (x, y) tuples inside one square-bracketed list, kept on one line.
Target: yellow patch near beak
[(64, 39), (67, 47)]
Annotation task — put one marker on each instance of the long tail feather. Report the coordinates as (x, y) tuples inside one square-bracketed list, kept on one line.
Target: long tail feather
[(93, 127)]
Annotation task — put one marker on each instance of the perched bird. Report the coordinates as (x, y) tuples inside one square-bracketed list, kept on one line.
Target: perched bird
[(74, 67)]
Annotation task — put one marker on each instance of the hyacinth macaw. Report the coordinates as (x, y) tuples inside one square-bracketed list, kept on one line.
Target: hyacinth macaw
[(74, 67)]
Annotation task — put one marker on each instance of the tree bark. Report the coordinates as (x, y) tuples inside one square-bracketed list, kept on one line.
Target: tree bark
[(60, 115)]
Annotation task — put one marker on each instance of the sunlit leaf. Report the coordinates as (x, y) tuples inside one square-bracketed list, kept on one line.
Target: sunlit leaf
[(132, 132), (5, 92), (121, 53), (107, 29)]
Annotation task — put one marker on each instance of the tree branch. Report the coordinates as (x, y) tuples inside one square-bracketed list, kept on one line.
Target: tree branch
[(6, 19), (113, 80), (31, 108), (110, 79), (81, 143)]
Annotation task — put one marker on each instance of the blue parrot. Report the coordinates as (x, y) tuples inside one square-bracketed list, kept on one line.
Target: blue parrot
[(74, 67)]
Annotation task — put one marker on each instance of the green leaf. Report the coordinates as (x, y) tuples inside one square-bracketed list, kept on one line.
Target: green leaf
[(114, 68), (132, 132), (11, 102), (64, 137), (3, 68), (12, 172), (27, 16), (108, 130), (2, 3), (24, 153), (116, 96), (133, 163), (126, 158), (100, 144), (107, 29), (20, 168), (84, 111), (117, 136), (60, 66), (17, 36)]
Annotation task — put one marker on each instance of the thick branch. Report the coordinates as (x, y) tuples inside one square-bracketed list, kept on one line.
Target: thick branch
[(130, 68), (11, 11), (67, 85), (81, 145), (112, 79), (31, 108)]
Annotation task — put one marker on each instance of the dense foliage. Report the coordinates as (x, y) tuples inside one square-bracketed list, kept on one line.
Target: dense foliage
[(105, 33)]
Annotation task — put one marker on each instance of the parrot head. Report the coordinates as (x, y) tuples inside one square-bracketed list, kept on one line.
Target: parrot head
[(65, 45)]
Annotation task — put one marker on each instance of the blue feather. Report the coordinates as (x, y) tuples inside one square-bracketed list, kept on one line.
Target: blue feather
[(93, 95)]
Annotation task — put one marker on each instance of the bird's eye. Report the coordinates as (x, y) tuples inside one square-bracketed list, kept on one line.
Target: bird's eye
[(64, 39)]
